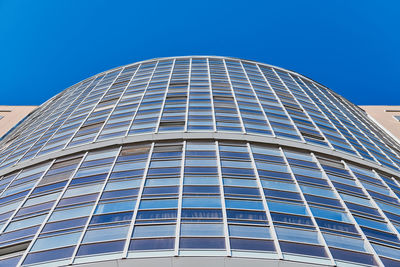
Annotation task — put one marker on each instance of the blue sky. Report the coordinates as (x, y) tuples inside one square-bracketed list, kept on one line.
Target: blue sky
[(353, 47)]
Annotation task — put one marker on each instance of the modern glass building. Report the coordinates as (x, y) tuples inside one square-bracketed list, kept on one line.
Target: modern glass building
[(188, 161)]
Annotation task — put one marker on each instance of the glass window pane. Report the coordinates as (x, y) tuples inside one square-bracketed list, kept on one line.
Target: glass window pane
[(202, 229), (291, 234), (201, 242), (287, 208), (244, 204), (70, 213), (56, 241), (249, 231), (201, 202), (154, 231), (115, 207), (105, 234), (344, 242)]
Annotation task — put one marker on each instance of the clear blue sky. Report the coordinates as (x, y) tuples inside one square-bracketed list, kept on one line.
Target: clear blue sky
[(351, 46)]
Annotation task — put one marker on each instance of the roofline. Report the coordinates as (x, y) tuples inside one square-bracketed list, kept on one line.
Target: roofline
[(201, 56)]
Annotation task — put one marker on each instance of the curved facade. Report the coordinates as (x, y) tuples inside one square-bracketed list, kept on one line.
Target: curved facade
[(215, 160)]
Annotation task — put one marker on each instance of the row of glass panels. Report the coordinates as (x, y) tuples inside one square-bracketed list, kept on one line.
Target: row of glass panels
[(199, 94), (199, 198)]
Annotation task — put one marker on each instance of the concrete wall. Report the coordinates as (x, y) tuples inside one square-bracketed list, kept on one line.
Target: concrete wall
[(384, 116), (12, 115)]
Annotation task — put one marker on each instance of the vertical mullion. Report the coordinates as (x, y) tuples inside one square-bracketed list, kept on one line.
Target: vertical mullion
[(179, 212), (211, 96), (27, 196), (116, 104), (94, 107), (271, 223), (353, 220), (258, 100), (165, 97), (12, 180), (141, 100), (305, 112), (49, 138), (326, 117), (32, 131), (382, 128), (341, 123), (376, 206), (389, 137), (139, 197), (222, 197), (71, 113), (281, 105), (395, 181), (94, 207), (328, 252), (51, 211), (234, 97), (387, 186), (372, 132), (188, 96), (355, 126)]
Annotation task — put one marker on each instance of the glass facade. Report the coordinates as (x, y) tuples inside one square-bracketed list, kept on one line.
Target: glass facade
[(199, 156)]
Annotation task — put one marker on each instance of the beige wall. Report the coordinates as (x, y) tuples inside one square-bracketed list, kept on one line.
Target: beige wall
[(12, 115), (384, 116)]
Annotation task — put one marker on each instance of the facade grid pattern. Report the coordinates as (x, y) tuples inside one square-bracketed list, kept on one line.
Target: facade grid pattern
[(75, 188)]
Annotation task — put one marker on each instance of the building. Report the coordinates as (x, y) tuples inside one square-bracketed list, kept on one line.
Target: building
[(188, 161), (11, 115), (388, 117)]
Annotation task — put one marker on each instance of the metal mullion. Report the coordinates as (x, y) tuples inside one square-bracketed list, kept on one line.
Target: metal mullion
[(165, 97), (66, 97), (352, 219), (29, 121), (5, 188), (234, 97), (373, 133), (281, 105), (376, 206), (59, 127), (73, 256), (264, 200), (94, 107), (27, 196), (179, 212), (342, 124), (211, 96), (258, 100), (355, 126), (24, 255), (305, 111), (24, 125), (116, 104), (327, 118), (395, 181), (141, 99), (308, 208), (137, 204), (386, 184), (393, 140), (71, 113), (367, 128), (222, 198), (188, 96), (32, 131)]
